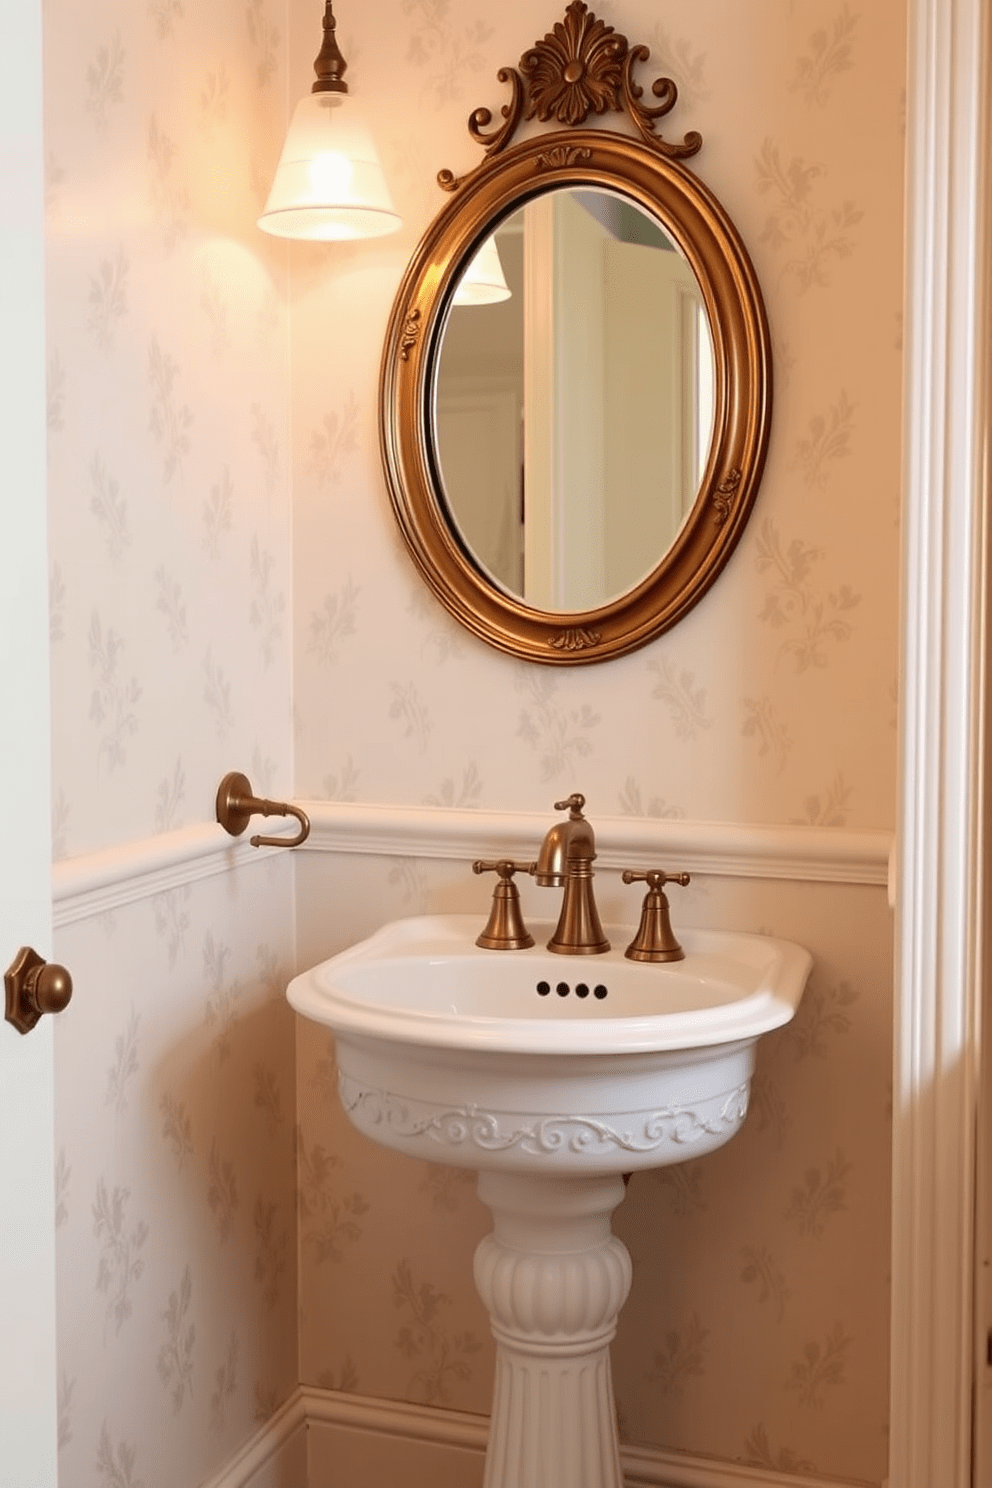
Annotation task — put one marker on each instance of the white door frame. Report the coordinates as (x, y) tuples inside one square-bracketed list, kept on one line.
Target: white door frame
[(27, 1208), (939, 879)]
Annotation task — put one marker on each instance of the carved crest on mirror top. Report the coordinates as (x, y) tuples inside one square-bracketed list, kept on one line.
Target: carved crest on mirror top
[(581, 67)]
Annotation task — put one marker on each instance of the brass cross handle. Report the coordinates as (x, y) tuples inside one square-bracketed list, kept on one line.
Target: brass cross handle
[(655, 939), (505, 929), (33, 988), (236, 805), (655, 878)]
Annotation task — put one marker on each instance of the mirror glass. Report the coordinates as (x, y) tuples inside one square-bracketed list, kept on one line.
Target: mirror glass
[(573, 399)]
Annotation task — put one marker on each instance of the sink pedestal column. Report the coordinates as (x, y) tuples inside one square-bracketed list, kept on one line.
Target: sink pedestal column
[(554, 1279)]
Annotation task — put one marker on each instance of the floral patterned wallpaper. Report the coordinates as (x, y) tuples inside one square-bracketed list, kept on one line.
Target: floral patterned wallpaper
[(740, 713), (758, 1327), (176, 1223), (229, 591), (168, 414), (170, 531)]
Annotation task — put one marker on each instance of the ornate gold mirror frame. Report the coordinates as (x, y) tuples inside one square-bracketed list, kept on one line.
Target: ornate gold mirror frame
[(582, 66)]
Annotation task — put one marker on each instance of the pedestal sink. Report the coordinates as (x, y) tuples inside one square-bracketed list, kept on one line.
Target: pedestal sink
[(553, 1076)]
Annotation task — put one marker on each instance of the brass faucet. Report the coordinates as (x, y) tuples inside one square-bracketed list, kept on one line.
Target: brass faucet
[(566, 858)]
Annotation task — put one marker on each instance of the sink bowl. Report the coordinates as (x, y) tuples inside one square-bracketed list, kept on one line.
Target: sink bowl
[(553, 1076), (530, 1061)]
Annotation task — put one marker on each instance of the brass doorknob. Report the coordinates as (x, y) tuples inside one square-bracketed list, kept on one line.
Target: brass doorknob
[(34, 987)]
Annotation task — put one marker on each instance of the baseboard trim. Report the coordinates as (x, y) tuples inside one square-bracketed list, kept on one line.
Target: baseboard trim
[(310, 1410), (395, 1418), (254, 1465), (643, 1467), (93, 883)]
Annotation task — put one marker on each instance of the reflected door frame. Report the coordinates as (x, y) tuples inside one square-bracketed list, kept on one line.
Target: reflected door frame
[(564, 488)]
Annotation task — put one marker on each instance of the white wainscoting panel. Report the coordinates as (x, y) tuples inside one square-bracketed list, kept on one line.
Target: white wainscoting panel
[(803, 854), (95, 882), (325, 1439)]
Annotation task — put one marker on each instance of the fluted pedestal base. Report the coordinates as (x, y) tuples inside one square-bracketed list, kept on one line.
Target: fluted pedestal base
[(554, 1278)]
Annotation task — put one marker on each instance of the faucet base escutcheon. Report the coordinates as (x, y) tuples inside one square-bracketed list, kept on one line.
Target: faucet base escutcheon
[(579, 932)]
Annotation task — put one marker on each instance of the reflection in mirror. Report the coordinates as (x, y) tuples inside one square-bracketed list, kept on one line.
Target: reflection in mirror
[(483, 282), (573, 418)]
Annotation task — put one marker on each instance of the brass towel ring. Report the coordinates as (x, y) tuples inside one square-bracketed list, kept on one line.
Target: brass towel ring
[(236, 805)]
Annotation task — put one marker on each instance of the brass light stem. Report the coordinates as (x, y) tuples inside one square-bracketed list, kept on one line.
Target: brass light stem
[(329, 65)]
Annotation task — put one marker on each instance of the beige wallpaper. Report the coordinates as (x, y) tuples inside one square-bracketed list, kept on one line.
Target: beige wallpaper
[(168, 414), (758, 1327), (754, 709), (228, 591), (171, 589), (175, 1182)]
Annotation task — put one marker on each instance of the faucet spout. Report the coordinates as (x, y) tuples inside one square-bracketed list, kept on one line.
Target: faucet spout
[(566, 858)]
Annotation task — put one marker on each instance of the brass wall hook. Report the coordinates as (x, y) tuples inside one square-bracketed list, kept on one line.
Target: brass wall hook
[(236, 805)]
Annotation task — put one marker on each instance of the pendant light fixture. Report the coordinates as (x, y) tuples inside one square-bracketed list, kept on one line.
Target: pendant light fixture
[(328, 185)]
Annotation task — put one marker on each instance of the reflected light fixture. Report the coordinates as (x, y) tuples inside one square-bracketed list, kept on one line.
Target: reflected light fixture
[(328, 185), (483, 282)]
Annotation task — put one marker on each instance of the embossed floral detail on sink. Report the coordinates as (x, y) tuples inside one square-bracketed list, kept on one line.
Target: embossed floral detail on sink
[(529, 1062)]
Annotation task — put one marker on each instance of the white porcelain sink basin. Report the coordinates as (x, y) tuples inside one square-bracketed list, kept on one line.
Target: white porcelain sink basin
[(525, 1060), (553, 1075)]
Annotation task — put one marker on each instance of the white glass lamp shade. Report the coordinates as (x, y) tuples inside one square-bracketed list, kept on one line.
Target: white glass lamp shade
[(483, 282), (328, 185)]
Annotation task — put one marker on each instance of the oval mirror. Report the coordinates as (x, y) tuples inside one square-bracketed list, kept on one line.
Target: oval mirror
[(573, 399), (576, 385)]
